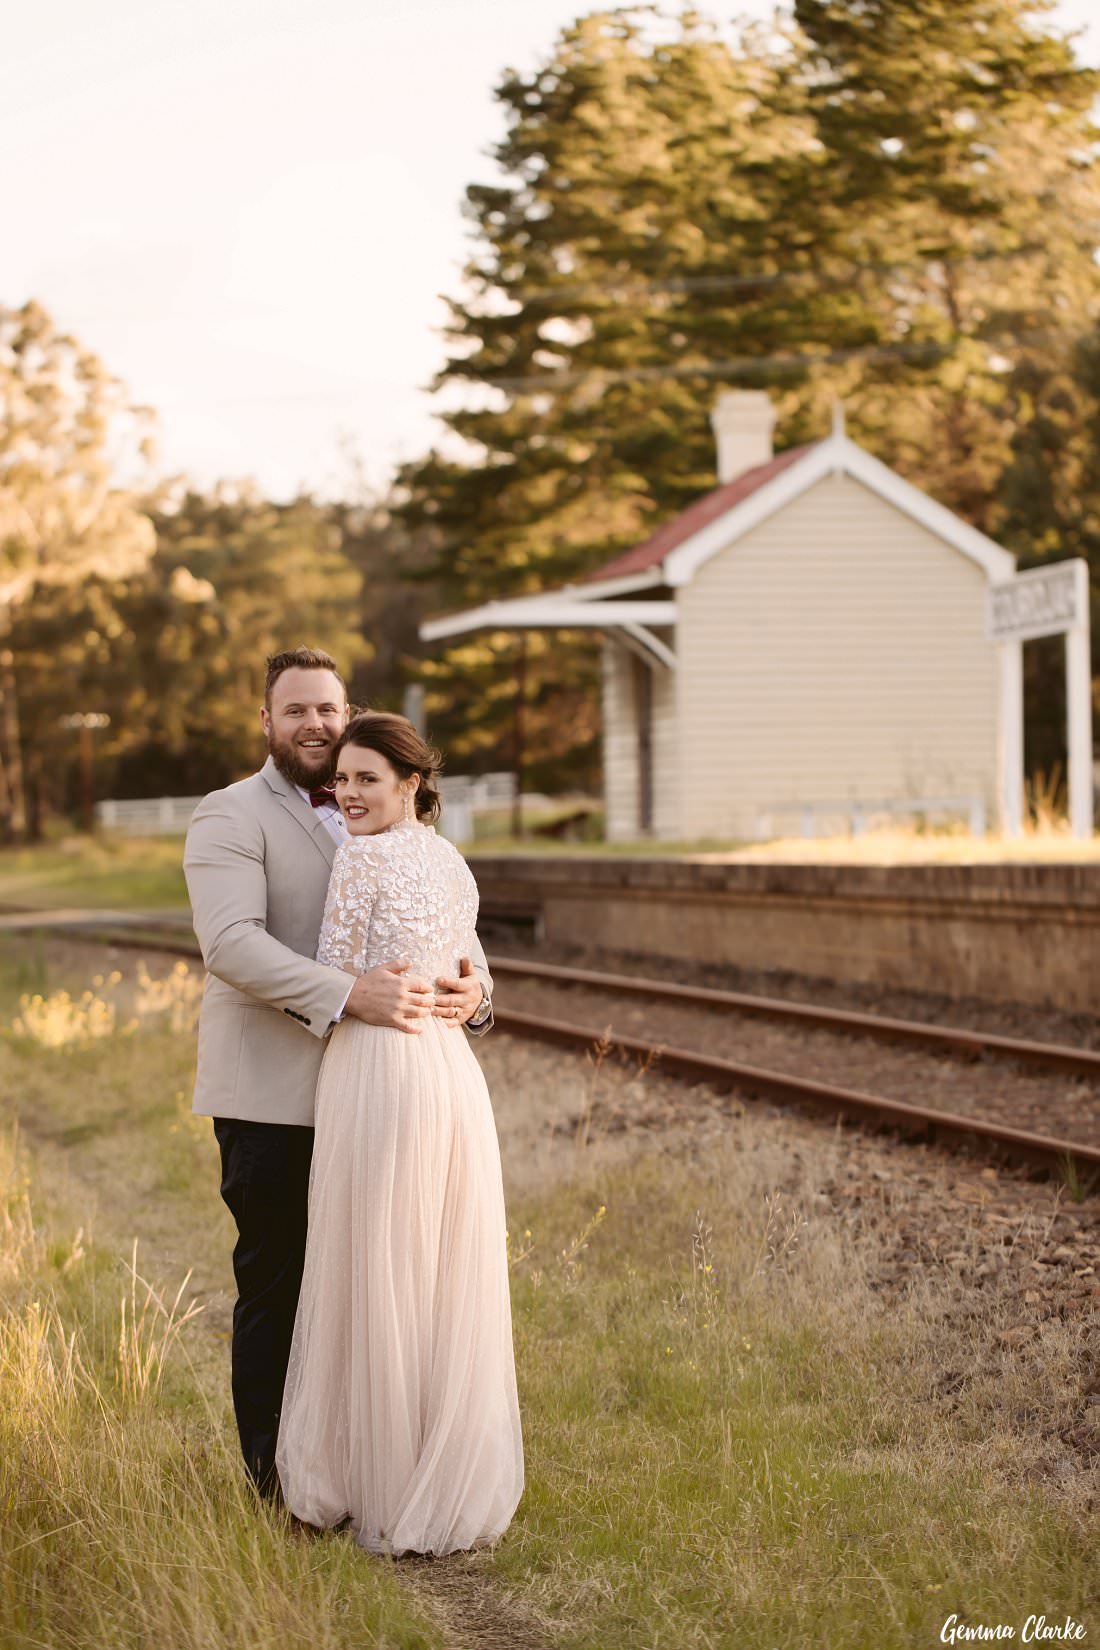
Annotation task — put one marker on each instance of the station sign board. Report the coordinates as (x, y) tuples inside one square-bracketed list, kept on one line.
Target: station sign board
[(1045, 601)]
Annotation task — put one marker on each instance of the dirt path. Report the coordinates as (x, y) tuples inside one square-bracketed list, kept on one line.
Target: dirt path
[(468, 1607)]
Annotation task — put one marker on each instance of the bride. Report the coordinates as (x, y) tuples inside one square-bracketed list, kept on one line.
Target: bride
[(400, 1412)]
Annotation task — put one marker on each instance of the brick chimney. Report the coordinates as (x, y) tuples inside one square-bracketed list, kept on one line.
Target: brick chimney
[(742, 422)]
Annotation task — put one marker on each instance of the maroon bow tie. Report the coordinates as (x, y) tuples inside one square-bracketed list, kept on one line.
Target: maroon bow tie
[(322, 795)]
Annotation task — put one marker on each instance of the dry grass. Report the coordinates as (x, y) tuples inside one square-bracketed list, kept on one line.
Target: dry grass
[(887, 845), (882, 843), (746, 1444), (731, 1440), (1045, 838), (125, 1519)]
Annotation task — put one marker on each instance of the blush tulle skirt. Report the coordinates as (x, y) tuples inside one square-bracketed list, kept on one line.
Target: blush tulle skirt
[(400, 1409)]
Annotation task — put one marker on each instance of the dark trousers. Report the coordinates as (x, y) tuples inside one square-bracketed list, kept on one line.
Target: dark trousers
[(265, 1185)]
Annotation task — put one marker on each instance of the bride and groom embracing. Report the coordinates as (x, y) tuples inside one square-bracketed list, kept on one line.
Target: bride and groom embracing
[(372, 1361)]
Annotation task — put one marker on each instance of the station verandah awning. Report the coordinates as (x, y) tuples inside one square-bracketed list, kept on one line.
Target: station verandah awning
[(626, 614)]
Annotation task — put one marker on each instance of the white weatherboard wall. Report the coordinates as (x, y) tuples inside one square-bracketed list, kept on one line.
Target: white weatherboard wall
[(836, 651)]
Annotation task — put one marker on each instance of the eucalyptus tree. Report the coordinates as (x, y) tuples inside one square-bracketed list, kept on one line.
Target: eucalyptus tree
[(67, 432)]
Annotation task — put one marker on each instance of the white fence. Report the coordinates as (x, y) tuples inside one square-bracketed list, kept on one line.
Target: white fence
[(462, 796), (821, 818), (486, 790), (147, 816)]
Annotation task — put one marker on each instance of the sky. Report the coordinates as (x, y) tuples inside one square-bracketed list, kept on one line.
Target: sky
[(249, 209)]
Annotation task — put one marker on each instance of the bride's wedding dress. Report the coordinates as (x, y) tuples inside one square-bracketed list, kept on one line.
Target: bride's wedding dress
[(400, 1407)]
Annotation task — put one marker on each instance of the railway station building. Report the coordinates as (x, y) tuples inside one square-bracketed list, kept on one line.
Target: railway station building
[(803, 648)]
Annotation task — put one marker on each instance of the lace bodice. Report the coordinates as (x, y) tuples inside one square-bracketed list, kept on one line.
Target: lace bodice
[(403, 893)]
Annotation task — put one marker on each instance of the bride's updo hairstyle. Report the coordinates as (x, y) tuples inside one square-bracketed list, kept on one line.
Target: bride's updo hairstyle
[(395, 738)]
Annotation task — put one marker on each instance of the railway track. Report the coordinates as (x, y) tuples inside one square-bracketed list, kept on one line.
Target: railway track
[(1078, 1162), (942, 1039)]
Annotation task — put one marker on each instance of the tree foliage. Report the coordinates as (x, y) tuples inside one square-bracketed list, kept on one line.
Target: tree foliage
[(66, 426), (175, 654), (893, 201)]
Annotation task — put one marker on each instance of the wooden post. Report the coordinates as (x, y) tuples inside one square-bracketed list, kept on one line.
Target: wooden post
[(1079, 731), (87, 782), (1010, 742), (16, 823), (518, 736), (643, 711), (84, 722)]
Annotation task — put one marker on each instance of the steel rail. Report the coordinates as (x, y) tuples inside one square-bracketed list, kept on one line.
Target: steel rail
[(1064, 1157), (1063, 1056), (142, 939), (1037, 1149)]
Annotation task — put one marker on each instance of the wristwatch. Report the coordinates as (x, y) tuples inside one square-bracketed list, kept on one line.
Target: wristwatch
[(482, 1011)]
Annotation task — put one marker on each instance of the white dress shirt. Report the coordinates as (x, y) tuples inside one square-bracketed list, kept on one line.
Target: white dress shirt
[(335, 823), (336, 827)]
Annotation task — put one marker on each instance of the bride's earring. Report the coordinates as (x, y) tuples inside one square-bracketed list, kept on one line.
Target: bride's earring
[(408, 806)]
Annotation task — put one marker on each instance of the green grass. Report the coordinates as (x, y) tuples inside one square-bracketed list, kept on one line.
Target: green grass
[(106, 871), (145, 873), (727, 1442), (712, 1464)]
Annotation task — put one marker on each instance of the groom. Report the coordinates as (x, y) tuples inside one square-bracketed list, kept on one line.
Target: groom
[(257, 862)]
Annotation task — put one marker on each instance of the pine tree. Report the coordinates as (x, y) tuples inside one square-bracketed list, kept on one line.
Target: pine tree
[(962, 175), (1048, 506), (644, 162), (962, 142), (896, 203)]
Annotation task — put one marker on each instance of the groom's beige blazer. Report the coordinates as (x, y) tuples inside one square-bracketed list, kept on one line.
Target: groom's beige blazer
[(257, 862)]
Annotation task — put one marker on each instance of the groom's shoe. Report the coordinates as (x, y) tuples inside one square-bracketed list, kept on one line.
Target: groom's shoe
[(300, 1529)]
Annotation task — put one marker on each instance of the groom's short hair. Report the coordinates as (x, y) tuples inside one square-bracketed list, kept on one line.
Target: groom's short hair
[(299, 658)]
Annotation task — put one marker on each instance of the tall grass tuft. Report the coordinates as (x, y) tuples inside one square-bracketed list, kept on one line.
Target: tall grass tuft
[(1046, 797), (22, 1244), (148, 1329), (62, 1021), (125, 1519)]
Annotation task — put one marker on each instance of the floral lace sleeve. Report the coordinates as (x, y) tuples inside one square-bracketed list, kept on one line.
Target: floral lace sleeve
[(351, 894)]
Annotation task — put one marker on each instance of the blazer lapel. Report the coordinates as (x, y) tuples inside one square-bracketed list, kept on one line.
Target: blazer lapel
[(300, 810)]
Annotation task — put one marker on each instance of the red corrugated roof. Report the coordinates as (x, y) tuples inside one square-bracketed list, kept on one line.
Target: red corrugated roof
[(698, 515)]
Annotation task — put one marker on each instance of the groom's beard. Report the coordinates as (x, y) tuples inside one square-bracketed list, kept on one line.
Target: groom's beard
[(296, 766)]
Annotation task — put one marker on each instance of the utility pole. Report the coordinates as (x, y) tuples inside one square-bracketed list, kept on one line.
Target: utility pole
[(84, 722)]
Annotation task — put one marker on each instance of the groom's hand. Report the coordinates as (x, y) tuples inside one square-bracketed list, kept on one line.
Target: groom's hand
[(390, 996), (456, 1000)]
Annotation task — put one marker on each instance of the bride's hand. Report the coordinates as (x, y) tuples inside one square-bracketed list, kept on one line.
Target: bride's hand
[(456, 1000), (390, 996)]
